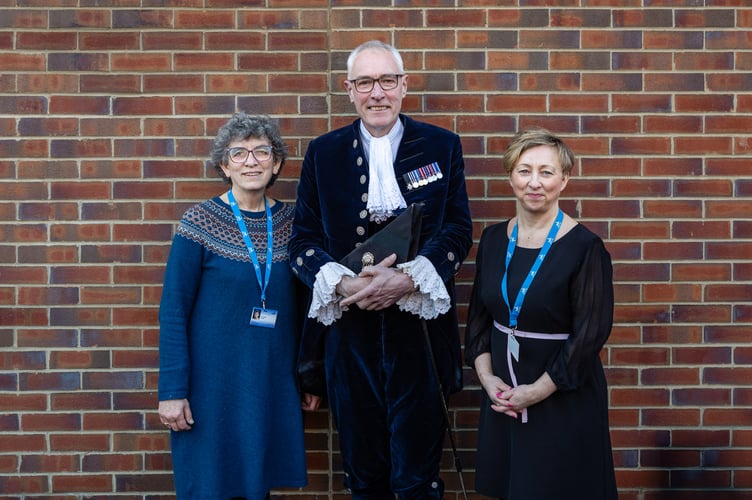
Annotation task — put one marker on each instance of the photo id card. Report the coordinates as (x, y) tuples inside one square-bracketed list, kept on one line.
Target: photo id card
[(265, 318)]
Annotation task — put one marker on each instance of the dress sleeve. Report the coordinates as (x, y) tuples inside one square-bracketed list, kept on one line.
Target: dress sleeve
[(479, 319), (182, 278), (592, 303)]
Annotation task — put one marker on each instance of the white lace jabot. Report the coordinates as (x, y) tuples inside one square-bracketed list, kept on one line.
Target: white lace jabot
[(384, 196)]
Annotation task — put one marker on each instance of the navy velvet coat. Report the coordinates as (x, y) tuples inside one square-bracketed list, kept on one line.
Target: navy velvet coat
[(331, 218)]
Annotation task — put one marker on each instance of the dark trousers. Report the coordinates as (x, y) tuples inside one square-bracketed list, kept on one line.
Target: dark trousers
[(385, 401)]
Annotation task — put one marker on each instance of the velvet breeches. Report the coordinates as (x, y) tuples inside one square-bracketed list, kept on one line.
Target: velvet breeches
[(385, 401)]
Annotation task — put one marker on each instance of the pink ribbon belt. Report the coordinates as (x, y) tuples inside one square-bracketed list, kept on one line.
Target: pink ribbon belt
[(527, 335)]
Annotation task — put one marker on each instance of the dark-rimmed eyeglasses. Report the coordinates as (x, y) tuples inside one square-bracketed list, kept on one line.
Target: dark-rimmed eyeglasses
[(240, 154), (386, 82)]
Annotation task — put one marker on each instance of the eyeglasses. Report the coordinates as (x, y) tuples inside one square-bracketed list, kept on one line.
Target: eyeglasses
[(386, 82), (240, 154)]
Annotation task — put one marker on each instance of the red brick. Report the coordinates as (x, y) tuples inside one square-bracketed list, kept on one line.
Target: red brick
[(172, 40), (639, 397), (673, 292), (116, 463), (703, 145), (171, 127), (642, 61), (80, 401), (642, 145), (82, 482), (47, 338), (15, 484), (639, 356), (591, 103), (659, 124), (644, 438), (110, 295), (204, 19), (142, 106), (35, 464), (666, 376), (51, 422), (614, 125), (77, 360), (701, 397), (107, 421), (136, 359), (701, 272), (155, 62), (727, 417), (111, 337), (728, 250), (681, 458), (12, 62), (28, 442)]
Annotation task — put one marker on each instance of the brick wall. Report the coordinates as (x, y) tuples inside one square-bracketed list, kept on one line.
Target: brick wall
[(106, 114)]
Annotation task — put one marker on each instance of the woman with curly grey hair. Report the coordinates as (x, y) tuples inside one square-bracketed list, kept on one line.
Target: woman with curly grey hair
[(230, 317)]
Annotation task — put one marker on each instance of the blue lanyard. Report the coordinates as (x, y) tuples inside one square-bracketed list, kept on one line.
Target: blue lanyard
[(263, 283), (514, 312)]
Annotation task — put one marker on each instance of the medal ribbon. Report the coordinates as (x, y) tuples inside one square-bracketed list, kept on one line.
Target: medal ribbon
[(262, 281), (515, 311)]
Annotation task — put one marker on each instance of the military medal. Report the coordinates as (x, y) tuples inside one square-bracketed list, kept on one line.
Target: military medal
[(422, 176)]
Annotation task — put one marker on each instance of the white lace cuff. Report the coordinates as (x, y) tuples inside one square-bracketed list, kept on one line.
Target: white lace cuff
[(325, 302), (430, 297)]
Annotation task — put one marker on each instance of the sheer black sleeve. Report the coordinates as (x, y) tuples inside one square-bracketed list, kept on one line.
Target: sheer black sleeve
[(592, 304), (479, 320)]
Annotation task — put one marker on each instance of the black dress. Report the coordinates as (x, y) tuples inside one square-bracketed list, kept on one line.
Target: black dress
[(564, 450)]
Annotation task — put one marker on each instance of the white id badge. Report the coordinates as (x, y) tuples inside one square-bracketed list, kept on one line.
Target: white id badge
[(514, 347), (265, 318)]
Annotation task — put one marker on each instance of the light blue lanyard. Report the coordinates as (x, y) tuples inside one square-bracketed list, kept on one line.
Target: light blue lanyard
[(263, 283), (514, 312)]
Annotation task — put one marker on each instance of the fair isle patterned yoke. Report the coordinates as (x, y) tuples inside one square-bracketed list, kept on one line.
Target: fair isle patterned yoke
[(212, 225)]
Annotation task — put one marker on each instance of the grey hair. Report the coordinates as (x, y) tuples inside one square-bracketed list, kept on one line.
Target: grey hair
[(374, 44), (243, 126)]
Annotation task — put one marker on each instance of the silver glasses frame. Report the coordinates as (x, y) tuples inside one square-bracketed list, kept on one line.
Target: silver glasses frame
[(267, 149)]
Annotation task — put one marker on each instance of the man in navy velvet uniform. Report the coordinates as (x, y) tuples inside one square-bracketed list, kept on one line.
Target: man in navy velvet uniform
[(364, 330)]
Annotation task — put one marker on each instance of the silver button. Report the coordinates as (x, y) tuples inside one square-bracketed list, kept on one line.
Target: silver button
[(450, 256), (360, 230), (434, 485), (363, 179), (310, 252), (299, 261), (359, 161), (364, 197), (363, 214), (355, 143)]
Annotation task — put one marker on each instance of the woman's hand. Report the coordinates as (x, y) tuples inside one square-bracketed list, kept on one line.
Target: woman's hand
[(525, 395), (494, 388), (176, 414), (493, 385)]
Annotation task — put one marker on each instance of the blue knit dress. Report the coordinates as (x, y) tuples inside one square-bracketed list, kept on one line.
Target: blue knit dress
[(239, 379)]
